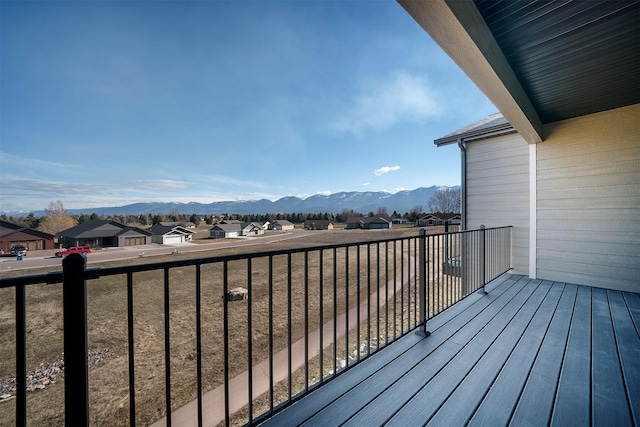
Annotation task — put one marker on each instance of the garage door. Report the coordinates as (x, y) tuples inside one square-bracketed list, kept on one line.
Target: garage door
[(172, 239), (134, 241)]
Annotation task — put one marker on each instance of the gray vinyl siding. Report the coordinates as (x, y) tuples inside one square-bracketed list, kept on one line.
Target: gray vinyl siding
[(497, 191), (588, 203)]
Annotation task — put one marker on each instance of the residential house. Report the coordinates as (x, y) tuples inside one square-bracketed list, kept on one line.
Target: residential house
[(438, 219), (104, 233), (170, 234), (251, 229), (233, 228), (318, 224), (368, 223), (281, 225), (223, 231), (185, 224), (14, 234)]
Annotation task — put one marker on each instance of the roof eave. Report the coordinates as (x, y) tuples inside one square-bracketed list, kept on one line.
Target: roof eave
[(475, 135), (460, 30)]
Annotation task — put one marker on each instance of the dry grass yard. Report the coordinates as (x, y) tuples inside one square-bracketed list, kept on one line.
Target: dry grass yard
[(107, 317)]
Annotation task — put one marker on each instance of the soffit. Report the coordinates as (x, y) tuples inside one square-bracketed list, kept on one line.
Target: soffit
[(541, 61)]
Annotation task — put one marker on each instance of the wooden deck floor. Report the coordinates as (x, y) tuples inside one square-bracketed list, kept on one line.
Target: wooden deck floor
[(529, 352)]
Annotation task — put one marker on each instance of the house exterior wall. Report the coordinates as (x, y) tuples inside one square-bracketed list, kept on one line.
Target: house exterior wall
[(588, 200), (497, 191), (31, 242)]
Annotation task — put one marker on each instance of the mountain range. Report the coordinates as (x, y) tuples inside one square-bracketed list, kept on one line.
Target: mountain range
[(363, 202)]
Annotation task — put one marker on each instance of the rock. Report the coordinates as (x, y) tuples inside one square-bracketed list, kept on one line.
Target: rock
[(237, 294)]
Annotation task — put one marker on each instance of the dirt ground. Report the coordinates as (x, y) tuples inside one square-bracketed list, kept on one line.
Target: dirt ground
[(312, 298)]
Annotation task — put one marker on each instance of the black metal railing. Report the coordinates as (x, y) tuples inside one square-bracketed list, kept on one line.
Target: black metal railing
[(299, 318)]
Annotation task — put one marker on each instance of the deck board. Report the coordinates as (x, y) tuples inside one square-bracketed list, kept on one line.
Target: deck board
[(628, 343), (573, 395), (608, 394), (408, 386), (529, 352), (460, 405), (499, 402)]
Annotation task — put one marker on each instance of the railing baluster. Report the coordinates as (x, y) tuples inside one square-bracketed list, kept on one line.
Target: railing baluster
[(250, 336), (225, 333), (346, 306), (199, 341), (358, 275), (271, 397), (321, 314), (167, 347), (132, 375), (306, 321), (21, 356), (377, 295), (402, 287), (335, 311), (289, 336), (368, 298)]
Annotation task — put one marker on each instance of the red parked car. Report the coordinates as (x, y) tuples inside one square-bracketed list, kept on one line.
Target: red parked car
[(73, 250)]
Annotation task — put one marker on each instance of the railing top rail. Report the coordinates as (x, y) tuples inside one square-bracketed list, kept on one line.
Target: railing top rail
[(94, 273)]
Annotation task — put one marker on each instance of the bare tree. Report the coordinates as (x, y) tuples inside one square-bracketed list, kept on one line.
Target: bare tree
[(382, 212), (447, 200), (415, 212), (55, 209), (56, 220)]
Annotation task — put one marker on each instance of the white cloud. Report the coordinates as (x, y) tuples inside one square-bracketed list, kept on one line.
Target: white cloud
[(159, 184), (382, 104), (385, 169), (324, 193), (15, 160), (365, 184)]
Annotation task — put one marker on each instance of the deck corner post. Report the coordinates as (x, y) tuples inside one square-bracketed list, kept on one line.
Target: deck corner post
[(422, 331), (76, 371), (483, 259)]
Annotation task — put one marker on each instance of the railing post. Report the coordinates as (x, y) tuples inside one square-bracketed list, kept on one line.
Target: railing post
[(76, 371), (483, 255), (423, 284)]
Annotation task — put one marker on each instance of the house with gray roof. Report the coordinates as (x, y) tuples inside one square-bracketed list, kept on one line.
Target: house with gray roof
[(170, 234), (368, 223), (227, 229), (281, 225), (318, 224), (103, 233)]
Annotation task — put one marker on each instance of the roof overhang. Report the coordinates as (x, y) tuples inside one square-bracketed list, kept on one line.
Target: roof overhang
[(461, 32), (539, 61)]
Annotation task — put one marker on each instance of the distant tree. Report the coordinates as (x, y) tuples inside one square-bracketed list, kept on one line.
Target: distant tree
[(195, 219), (56, 219), (94, 216), (447, 200), (32, 221), (142, 220), (83, 218), (382, 211), (415, 213), (157, 219), (55, 209)]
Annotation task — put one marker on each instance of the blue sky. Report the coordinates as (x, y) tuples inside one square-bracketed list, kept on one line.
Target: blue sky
[(106, 103)]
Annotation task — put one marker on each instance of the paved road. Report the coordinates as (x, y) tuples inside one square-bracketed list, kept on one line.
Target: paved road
[(37, 259)]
